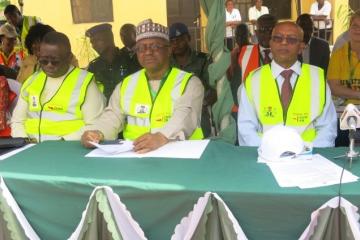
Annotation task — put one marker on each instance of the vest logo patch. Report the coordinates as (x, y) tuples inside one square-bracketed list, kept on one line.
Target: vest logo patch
[(269, 112), (34, 101), (162, 118), (142, 109), (300, 117), (55, 108)]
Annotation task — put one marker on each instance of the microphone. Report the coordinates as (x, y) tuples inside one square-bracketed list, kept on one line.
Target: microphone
[(350, 118)]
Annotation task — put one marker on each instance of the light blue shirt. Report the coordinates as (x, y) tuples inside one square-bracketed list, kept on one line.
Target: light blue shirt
[(249, 125)]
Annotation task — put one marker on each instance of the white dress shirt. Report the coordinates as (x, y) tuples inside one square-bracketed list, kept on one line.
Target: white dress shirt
[(234, 16), (249, 125), (325, 10), (254, 13)]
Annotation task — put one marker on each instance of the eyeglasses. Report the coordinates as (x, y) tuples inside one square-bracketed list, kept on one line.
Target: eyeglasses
[(289, 40), (45, 62), (152, 47)]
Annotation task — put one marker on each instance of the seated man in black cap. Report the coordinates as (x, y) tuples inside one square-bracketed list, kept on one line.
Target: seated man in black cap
[(189, 60), (110, 67)]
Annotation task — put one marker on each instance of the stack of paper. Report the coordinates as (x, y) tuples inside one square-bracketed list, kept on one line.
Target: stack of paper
[(176, 149), (316, 172)]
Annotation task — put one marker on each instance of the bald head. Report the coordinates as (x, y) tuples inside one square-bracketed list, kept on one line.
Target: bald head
[(289, 24)]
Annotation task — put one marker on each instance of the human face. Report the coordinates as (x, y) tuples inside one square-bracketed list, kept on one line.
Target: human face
[(229, 6), (153, 54), (355, 30), (13, 18), (263, 32), (100, 42), (7, 44), (128, 38), (286, 43), (258, 3), (180, 45), (54, 60)]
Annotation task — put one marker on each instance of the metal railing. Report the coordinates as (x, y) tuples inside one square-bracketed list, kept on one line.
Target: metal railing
[(197, 34)]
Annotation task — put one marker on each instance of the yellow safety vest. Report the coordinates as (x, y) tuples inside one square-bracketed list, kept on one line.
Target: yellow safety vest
[(28, 21), (62, 114), (144, 115), (306, 105)]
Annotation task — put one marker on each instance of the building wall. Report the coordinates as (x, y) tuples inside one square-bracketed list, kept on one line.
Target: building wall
[(58, 15)]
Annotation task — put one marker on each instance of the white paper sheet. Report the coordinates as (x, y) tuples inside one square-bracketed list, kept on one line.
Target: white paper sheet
[(316, 172), (120, 147), (17, 150), (176, 149)]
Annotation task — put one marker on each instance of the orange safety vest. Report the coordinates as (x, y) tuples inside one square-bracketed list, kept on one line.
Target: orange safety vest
[(6, 98), (14, 60), (249, 60)]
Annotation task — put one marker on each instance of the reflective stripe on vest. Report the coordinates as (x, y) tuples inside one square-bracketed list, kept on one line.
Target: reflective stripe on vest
[(62, 114), (144, 115), (248, 60), (28, 21), (306, 105)]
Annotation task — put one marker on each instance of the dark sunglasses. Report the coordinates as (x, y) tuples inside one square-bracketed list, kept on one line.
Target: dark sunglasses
[(289, 40), (45, 62)]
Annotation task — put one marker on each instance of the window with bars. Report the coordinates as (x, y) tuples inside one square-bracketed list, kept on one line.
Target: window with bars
[(92, 11)]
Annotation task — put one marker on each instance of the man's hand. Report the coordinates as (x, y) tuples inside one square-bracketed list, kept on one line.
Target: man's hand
[(149, 142), (93, 136)]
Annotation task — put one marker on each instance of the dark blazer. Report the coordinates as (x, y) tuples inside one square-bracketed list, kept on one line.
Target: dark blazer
[(319, 53)]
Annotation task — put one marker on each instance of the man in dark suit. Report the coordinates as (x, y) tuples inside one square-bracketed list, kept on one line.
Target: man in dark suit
[(316, 51)]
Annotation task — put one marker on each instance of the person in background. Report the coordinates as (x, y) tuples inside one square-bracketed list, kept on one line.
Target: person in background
[(32, 44), (189, 60), (233, 18), (242, 37), (287, 92), (257, 11), (254, 56), (21, 23), (316, 51), (154, 105), (58, 101), (9, 56), (320, 11), (344, 67), (127, 36), (110, 67), (7, 99)]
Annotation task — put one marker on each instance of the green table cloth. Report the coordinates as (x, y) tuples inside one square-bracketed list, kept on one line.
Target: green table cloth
[(52, 182)]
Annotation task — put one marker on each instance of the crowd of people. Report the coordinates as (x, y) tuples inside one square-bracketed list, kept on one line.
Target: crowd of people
[(156, 88)]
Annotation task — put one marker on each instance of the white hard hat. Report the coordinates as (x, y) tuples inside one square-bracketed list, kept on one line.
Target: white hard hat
[(280, 142)]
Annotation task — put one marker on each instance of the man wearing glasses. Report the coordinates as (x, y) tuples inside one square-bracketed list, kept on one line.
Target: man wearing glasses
[(287, 92), (154, 105), (60, 99)]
